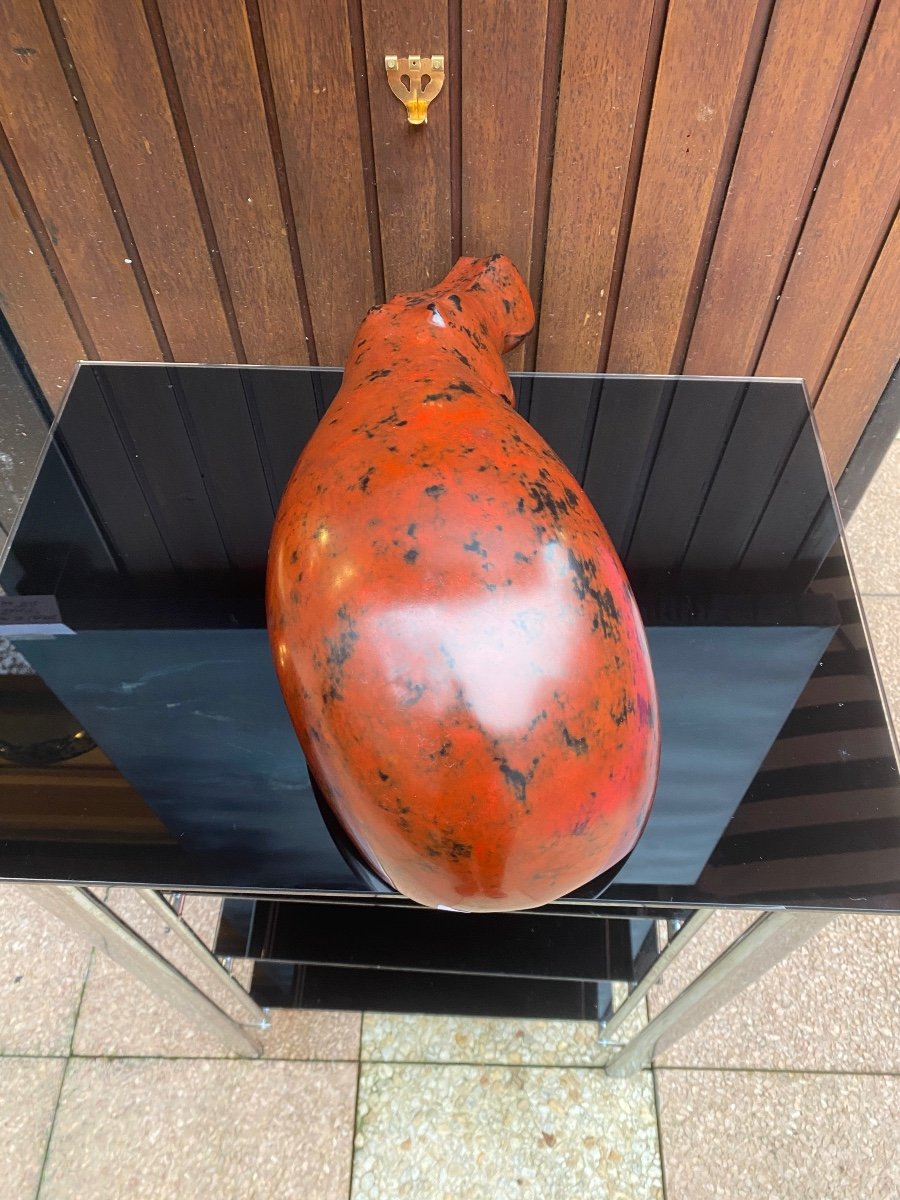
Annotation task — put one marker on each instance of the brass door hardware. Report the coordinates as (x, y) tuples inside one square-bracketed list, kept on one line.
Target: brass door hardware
[(425, 78)]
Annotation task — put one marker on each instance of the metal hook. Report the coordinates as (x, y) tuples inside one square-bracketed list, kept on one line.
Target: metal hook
[(416, 98)]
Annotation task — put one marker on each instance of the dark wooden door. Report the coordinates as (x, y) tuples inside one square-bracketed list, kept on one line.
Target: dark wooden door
[(702, 186)]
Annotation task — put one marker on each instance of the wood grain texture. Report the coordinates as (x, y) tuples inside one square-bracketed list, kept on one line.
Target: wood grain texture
[(412, 163), (113, 52), (212, 53), (32, 304), (503, 64), (46, 136), (801, 83), (704, 55), (849, 217), (677, 209), (865, 361), (312, 76), (604, 58)]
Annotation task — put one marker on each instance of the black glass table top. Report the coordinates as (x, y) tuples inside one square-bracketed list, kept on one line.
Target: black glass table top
[(151, 746)]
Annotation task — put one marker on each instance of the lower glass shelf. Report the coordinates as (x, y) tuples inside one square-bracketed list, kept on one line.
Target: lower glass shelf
[(403, 958)]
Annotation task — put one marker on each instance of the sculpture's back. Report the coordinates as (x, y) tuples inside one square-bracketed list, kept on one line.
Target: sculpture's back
[(457, 643)]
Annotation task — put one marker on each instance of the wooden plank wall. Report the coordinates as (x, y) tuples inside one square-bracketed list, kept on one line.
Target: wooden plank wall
[(702, 186)]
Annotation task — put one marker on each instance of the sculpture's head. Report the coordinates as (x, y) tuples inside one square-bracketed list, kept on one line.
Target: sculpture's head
[(501, 293), (481, 310)]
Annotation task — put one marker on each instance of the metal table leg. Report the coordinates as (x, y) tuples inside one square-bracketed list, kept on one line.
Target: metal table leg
[(201, 953), (768, 940), (675, 945), (82, 911)]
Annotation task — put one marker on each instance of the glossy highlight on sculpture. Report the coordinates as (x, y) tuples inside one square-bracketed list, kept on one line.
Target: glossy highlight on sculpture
[(455, 639)]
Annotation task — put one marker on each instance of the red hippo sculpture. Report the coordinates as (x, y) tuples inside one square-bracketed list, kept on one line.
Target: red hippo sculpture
[(456, 641)]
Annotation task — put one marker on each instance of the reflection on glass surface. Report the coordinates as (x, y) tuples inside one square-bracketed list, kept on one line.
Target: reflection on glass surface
[(148, 524)]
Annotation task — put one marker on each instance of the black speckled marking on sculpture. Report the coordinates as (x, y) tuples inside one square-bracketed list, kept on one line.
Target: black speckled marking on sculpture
[(622, 710), (607, 616), (578, 744), (475, 547), (545, 501), (414, 693)]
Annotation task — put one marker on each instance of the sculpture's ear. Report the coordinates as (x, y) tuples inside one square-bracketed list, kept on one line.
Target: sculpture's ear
[(501, 295), (517, 315)]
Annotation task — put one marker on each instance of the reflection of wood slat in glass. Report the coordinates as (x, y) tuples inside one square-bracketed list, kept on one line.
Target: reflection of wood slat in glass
[(702, 416), (219, 424), (830, 808), (147, 412), (821, 796), (159, 449), (283, 409), (629, 423), (562, 410), (753, 463), (107, 472)]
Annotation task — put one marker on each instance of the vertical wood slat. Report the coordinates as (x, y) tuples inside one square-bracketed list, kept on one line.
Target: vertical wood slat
[(604, 59), (802, 80), (32, 304), (54, 157), (312, 76), (503, 66), (553, 51), (848, 219), (113, 53), (707, 47), (828, 308), (412, 163), (865, 361), (213, 57)]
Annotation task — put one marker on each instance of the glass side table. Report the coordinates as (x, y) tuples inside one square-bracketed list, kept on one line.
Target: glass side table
[(150, 747)]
